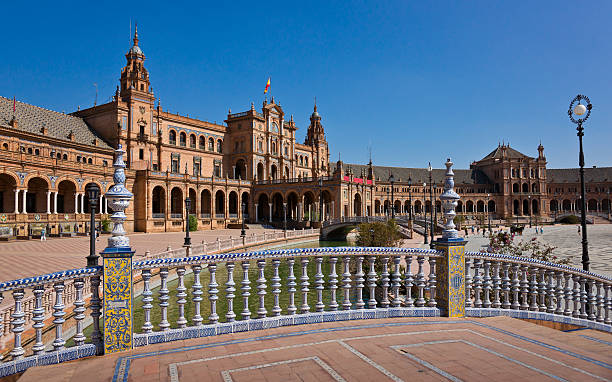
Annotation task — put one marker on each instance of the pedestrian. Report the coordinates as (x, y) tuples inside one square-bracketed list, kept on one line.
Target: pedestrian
[(472, 230), (578, 230), (542, 230), (43, 235), (466, 232)]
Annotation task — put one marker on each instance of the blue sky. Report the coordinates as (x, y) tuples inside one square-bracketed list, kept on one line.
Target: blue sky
[(418, 81)]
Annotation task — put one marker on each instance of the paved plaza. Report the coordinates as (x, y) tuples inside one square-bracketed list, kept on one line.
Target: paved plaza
[(399, 349), (568, 244)]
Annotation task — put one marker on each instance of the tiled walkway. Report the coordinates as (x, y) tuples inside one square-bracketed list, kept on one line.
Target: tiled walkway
[(491, 349)]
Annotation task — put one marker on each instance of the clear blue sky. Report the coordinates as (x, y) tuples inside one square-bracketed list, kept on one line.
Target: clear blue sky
[(419, 81)]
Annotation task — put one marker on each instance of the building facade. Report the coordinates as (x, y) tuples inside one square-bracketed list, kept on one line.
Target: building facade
[(252, 161)]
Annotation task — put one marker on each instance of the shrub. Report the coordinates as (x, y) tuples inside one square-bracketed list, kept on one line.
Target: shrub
[(106, 225), (379, 234), (193, 223), (570, 219), (503, 242)]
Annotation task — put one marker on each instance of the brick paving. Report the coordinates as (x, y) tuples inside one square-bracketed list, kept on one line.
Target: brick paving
[(431, 349)]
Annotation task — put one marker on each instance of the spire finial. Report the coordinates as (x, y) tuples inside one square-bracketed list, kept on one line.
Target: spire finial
[(315, 104), (136, 35)]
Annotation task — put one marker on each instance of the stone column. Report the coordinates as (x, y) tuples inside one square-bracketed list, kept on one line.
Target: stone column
[(48, 202), (100, 208), (82, 203), (270, 210), (333, 211), (55, 202), (105, 205), (16, 201), (76, 203), (299, 212), (24, 209), (450, 268)]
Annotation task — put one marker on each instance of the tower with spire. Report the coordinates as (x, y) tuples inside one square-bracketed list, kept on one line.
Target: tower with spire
[(315, 138), (134, 76)]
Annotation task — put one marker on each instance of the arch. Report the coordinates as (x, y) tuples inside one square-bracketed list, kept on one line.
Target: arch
[(398, 206), (357, 205), (554, 205), (159, 201), (306, 161), (5, 146), (292, 206), (491, 206), (176, 202), (172, 137), (182, 139), (377, 206), (202, 143), (89, 161), (86, 199), (407, 207), (327, 204), (277, 207), (428, 206), (8, 185), (194, 200), (469, 206), (525, 187), (263, 213), (309, 208), (387, 207), (460, 206), (192, 141), (516, 207), (244, 203), (260, 171), (535, 206), (211, 144), (525, 207), (233, 204), (566, 205), (205, 205), (286, 174), (418, 207), (219, 146), (273, 172), (605, 205), (535, 187), (220, 204), (66, 194), (438, 206), (240, 171), (480, 206), (36, 198), (301, 160), (592, 205)]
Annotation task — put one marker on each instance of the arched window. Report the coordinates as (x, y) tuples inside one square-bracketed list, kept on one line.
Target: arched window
[(183, 139), (219, 146), (202, 143), (273, 147), (286, 150), (172, 137), (301, 160), (306, 161), (29, 150), (211, 144), (37, 152), (65, 157), (192, 141), (5, 146), (89, 161)]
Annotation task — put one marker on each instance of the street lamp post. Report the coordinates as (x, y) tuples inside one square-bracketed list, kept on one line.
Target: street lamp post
[(93, 191), (243, 232), (320, 202), (489, 213), (425, 212), (431, 212), (579, 113), (284, 216), (410, 201), (187, 208), (387, 207), (392, 180), (529, 209)]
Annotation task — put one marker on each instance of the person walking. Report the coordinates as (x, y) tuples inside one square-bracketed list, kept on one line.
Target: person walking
[(43, 235)]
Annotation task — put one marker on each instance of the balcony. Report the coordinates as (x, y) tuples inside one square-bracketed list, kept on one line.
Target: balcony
[(142, 137)]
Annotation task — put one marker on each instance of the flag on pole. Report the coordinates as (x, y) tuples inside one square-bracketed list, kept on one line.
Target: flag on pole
[(267, 86)]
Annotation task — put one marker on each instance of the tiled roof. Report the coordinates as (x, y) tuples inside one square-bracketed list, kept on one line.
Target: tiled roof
[(572, 175), (418, 175), (510, 152), (32, 119)]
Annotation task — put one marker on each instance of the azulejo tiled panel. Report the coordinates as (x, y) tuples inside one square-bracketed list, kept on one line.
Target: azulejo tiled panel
[(50, 358)]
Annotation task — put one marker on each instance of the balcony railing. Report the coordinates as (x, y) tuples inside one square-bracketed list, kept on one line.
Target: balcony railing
[(143, 137), (160, 215), (219, 216), (176, 216), (205, 215)]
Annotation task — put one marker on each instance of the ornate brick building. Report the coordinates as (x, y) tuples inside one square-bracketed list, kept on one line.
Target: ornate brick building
[(254, 159)]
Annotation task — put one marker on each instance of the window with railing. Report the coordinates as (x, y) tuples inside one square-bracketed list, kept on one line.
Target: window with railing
[(172, 137), (183, 139)]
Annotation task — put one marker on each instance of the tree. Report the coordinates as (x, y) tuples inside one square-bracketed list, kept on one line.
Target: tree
[(379, 234), (503, 242), (193, 223)]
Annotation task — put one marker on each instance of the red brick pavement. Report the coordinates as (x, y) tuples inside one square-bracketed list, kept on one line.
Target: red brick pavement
[(499, 349)]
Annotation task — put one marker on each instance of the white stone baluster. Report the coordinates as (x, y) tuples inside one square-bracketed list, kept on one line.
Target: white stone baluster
[(58, 313), (17, 323), (291, 284), (333, 283), (550, 308), (542, 286), (79, 310), (319, 284), (261, 289), (487, 285), (431, 283), (576, 312), (181, 298), (420, 282), (584, 298), (516, 287), (568, 294), (372, 276), (304, 308), (559, 292), (346, 283), (408, 282), (505, 288), (477, 283), (533, 289), (196, 291), (592, 300), (39, 317), (608, 304), (468, 283), (600, 302), (245, 288), (147, 326), (230, 288), (163, 299), (496, 285), (213, 294), (385, 281), (359, 283), (276, 309)]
